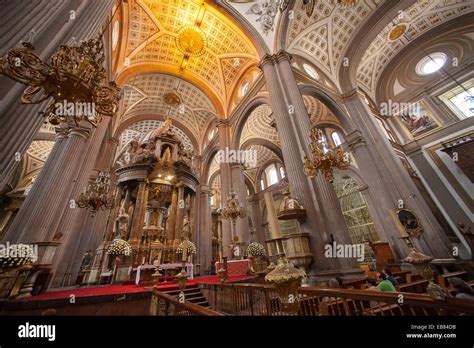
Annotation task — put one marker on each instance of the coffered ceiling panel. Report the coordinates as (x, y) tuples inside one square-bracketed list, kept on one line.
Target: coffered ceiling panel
[(416, 20), (323, 37), (145, 95), (140, 129), (153, 32), (258, 126)]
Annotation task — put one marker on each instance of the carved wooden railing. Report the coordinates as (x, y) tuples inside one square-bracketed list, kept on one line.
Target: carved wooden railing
[(258, 299), (166, 305)]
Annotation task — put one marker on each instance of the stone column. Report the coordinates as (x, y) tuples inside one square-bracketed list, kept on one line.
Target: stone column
[(38, 221), (224, 143), (324, 216), (139, 213), (49, 21), (257, 219), (271, 215), (170, 224), (205, 235), (238, 185), (180, 212), (387, 178)]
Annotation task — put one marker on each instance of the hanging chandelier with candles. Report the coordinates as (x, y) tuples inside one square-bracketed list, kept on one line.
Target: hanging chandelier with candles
[(323, 159), (74, 78), (95, 197), (233, 209)]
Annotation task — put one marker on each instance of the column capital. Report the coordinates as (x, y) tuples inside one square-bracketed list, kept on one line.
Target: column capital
[(222, 122), (79, 131), (354, 140), (205, 190), (113, 140), (282, 55)]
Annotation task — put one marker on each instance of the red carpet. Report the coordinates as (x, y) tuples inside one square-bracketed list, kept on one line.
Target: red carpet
[(122, 289)]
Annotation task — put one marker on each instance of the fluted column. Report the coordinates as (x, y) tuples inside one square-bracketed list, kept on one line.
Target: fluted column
[(205, 234), (257, 219), (139, 213), (390, 182), (224, 143), (293, 126), (170, 224), (271, 215), (238, 185), (39, 223), (51, 29), (72, 221), (180, 212)]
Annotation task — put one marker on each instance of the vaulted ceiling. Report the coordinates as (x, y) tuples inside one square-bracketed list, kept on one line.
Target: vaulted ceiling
[(145, 95), (416, 20), (150, 33), (323, 37)]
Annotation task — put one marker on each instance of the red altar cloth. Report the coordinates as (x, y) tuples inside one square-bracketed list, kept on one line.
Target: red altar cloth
[(235, 267)]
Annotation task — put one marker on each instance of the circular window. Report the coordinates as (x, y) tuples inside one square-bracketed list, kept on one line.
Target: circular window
[(310, 71), (115, 34), (245, 88), (431, 63)]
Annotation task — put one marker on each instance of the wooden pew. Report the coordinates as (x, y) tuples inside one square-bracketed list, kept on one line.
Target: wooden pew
[(402, 275), (413, 277), (418, 287), (443, 278)]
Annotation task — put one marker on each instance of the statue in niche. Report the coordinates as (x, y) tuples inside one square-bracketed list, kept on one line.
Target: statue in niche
[(86, 260), (186, 228), (122, 219), (166, 155)]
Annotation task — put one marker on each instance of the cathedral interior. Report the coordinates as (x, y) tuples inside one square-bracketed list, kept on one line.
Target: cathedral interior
[(176, 151)]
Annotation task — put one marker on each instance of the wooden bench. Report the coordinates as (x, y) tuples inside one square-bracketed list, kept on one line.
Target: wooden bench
[(413, 277), (417, 287), (402, 275), (443, 278)]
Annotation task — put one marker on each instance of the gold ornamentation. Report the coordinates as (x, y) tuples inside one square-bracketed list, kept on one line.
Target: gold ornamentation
[(191, 41), (323, 159), (74, 78), (410, 222), (172, 98), (290, 208), (398, 31), (96, 196), (233, 209)]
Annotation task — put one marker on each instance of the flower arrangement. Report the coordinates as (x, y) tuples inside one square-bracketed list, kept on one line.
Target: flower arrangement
[(119, 247), (190, 250), (17, 255), (256, 249)]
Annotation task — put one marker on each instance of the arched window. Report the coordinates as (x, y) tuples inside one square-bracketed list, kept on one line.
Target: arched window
[(282, 172), (272, 176), (262, 184), (336, 139)]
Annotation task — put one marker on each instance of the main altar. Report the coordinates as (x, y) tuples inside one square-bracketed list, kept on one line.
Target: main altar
[(154, 211)]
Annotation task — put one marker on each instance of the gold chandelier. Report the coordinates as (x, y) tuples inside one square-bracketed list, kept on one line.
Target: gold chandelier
[(96, 197), (74, 78), (233, 209), (192, 42), (323, 159)]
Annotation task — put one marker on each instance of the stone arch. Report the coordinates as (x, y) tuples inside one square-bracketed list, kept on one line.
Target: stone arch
[(331, 104), (258, 141), (241, 119)]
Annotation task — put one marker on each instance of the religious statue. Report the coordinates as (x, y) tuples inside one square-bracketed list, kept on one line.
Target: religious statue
[(122, 220), (166, 158), (186, 228), (166, 128), (128, 156), (86, 260)]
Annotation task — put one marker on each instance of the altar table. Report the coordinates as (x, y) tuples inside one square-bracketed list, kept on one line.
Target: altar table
[(235, 267)]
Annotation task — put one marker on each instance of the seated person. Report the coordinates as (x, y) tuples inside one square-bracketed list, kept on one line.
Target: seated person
[(463, 290), (391, 278), (371, 284), (385, 284)]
